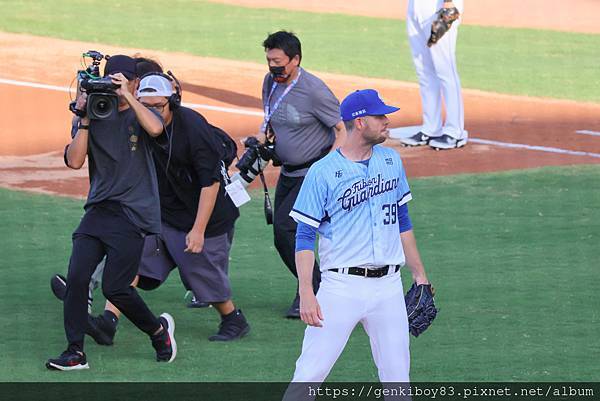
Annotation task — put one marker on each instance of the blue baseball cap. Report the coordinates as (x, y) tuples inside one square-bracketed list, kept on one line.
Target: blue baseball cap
[(365, 102)]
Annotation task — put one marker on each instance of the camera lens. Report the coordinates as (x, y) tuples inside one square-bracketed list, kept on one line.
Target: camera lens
[(101, 106)]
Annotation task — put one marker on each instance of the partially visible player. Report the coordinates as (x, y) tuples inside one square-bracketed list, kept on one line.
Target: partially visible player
[(355, 199), (438, 77)]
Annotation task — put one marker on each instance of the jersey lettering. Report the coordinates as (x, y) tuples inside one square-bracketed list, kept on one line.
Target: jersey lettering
[(362, 190)]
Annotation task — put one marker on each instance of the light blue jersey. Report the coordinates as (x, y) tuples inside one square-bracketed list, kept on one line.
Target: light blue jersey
[(355, 208)]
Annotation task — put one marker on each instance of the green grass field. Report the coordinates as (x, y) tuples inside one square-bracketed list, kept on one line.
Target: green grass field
[(515, 61), (514, 258), (513, 255)]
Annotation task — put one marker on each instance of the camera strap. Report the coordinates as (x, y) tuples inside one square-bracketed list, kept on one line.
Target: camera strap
[(267, 204), (224, 173), (269, 111)]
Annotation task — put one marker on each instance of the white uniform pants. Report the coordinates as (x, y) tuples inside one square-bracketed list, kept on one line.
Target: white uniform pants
[(436, 70), (345, 300)]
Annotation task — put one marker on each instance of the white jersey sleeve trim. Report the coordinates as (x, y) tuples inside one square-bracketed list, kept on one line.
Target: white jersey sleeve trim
[(405, 198), (304, 218)]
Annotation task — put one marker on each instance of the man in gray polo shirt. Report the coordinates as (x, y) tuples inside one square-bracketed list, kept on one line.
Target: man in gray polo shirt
[(302, 117)]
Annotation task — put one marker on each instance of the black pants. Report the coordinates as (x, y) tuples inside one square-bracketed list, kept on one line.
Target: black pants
[(284, 227), (105, 230)]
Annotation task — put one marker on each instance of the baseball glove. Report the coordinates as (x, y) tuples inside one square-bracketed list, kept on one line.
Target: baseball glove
[(442, 24), (420, 308)]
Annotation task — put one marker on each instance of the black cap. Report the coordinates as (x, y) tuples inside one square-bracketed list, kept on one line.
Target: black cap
[(122, 64)]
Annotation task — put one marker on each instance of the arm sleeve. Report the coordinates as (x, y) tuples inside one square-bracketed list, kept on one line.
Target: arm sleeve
[(326, 107), (309, 207), (305, 237), (404, 219)]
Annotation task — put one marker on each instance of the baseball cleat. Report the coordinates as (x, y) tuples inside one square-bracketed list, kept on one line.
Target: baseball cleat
[(164, 342), (447, 142), (58, 284), (419, 139), (68, 360), (232, 327)]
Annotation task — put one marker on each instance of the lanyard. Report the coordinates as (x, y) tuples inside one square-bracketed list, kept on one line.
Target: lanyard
[(270, 111)]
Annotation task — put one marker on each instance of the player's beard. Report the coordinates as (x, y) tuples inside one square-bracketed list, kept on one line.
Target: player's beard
[(376, 138), (383, 136)]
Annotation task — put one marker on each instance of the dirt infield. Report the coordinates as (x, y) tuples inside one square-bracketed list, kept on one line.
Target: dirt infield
[(559, 15), (32, 138)]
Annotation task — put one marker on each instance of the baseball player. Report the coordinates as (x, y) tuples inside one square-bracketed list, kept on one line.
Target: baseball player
[(355, 199), (435, 64)]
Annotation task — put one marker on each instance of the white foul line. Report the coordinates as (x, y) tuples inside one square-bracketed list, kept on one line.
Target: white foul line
[(260, 114), (191, 105), (587, 132), (34, 85), (532, 147)]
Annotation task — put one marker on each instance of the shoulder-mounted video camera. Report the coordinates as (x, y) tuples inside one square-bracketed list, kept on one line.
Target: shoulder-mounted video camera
[(102, 101)]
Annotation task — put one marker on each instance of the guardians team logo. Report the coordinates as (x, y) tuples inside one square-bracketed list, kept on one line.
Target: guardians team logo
[(362, 190)]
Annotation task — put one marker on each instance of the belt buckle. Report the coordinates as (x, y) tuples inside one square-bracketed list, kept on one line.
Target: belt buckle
[(366, 272)]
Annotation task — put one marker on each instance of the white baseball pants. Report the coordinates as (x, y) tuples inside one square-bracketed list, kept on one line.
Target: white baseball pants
[(436, 70), (345, 300)]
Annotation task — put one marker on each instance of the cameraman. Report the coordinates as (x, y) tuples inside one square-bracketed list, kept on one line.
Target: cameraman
[(197, 216), (121, 209), (302, 118)]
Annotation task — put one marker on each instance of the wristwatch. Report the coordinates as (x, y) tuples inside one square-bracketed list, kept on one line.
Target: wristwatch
[(82, 126)]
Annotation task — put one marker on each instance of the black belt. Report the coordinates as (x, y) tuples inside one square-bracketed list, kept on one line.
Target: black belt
[(361, 271), (291, 168)]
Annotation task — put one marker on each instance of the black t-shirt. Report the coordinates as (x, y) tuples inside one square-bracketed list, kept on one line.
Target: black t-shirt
[(188, 157), (121, 169)]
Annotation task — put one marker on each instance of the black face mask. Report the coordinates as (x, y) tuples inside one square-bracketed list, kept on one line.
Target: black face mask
[(278, 72)]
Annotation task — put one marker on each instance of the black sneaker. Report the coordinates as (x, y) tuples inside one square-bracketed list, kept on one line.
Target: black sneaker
[(164, 342), (294, 311), (194, 303), (68, 360), (447, 142), (58, 284), (233, 326), (418, 139), (102, 331)]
